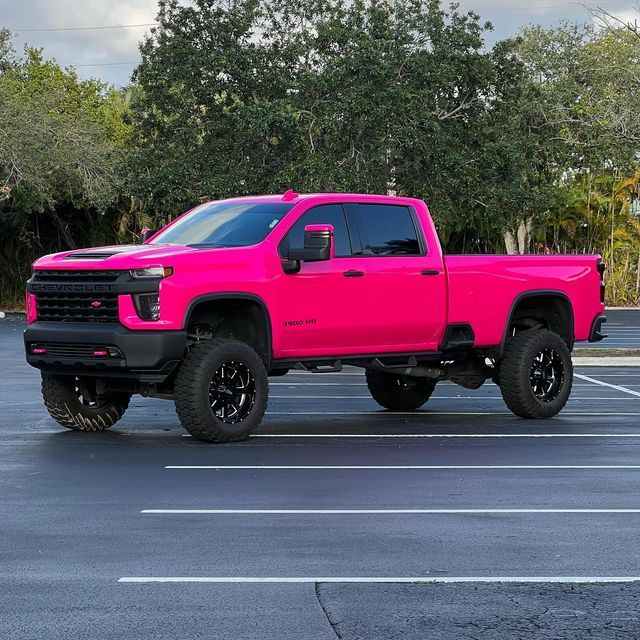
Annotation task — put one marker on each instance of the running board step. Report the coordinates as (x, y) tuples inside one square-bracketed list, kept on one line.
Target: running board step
[(320, 367)]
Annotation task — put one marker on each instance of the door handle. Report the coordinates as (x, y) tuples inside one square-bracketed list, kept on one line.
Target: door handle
[(430, 272), (353, 273)]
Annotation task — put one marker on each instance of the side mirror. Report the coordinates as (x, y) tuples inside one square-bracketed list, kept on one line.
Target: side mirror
[(145, 234), (318, 244)]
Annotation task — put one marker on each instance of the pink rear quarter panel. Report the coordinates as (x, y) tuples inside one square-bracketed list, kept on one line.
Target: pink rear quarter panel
[(482, 290)]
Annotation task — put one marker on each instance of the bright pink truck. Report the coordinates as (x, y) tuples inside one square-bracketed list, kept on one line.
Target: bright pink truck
[(238, 290)]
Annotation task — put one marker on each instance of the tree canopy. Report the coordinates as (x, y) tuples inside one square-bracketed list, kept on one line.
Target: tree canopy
[(251, 97), (61, 148)]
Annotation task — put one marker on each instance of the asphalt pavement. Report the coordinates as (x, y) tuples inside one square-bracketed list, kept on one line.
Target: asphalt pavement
[(622, 329), (338, 519)]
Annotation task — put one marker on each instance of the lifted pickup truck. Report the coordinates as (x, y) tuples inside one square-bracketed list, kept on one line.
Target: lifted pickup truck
[(238, 290)]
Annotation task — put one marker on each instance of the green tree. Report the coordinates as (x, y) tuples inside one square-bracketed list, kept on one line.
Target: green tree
[(585, 103), (61, 142), (588, 94), (247, 96)]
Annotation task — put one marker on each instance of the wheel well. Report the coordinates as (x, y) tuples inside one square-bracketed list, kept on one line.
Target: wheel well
[(550, 310), (242, 319)]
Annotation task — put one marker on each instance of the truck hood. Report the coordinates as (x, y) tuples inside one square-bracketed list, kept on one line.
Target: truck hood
[(114, 257)]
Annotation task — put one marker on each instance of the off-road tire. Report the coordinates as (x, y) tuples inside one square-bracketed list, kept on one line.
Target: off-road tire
[(67, 409), (515, 374), (193, 384), (399, 393)]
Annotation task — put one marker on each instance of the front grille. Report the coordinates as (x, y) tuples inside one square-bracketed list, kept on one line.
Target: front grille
[(76, 276), (72, 350), (77, 307)]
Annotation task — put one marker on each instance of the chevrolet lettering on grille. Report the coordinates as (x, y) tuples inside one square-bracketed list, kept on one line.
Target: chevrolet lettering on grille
[(70, 288)]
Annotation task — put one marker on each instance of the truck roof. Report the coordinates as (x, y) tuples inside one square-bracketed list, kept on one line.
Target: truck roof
[(294, 197)]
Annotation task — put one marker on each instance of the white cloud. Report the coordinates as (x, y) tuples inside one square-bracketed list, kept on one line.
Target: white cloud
[(626, 16), (83, 47)]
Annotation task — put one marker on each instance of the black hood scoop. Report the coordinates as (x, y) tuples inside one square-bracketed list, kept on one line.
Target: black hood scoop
[(91, 255)]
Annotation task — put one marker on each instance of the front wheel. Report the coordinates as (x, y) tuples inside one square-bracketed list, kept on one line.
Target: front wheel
[(74, 403), (536, 374), (397, 392), (221, 390)]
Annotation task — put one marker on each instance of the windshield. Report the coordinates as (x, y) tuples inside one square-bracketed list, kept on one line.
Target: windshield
[(226, 224)]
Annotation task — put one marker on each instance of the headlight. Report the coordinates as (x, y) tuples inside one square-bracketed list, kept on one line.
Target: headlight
[(152, 272), (148, 306)]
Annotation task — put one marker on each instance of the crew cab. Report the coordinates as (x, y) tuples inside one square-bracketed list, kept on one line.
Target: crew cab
[(236, 290)]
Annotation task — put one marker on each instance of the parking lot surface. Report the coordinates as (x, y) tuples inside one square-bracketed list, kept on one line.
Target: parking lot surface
[(622, 329), (338, 519)]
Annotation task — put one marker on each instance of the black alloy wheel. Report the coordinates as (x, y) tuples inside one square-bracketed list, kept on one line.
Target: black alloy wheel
[(232, 392), (85, 390), (398, 392), (536, 373), (221, 390), (547, 375), (74, 403)]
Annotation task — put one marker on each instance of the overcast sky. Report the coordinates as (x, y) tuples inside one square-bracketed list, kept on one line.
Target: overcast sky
[(111, 54)]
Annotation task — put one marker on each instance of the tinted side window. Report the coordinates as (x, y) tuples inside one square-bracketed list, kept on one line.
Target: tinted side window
[(387, 230), (324, 214)]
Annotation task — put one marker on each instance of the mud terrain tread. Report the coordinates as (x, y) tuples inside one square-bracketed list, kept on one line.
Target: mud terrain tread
[(384, 391), (194, 376), (514, 373), (57, 400)]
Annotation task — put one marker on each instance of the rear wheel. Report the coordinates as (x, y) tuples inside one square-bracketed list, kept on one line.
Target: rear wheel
[(536, 374), (399, 393), (74, 403), (221, 391)]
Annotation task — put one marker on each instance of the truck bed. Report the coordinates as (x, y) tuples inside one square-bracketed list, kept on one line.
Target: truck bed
[(482, 289)]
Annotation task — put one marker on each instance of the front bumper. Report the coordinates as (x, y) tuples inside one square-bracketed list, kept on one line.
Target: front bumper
[(101, 349)]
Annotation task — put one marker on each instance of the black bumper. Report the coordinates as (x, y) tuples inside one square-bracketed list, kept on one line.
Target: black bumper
[(71, 348), (596, 329)]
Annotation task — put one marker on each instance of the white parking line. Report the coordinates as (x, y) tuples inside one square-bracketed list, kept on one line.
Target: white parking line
[(405, 466), (617, 375), (439, 435), (318, 384), (368, 397), (426, 414), (327, 374), (488, 385), (381, 579), (617, 387), (299, 512), (333, 376), (360, 373)]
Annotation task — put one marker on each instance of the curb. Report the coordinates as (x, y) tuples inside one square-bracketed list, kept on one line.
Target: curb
[(607, 361)]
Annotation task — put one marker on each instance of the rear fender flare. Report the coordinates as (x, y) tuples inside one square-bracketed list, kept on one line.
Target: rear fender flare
[(553, 293)]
